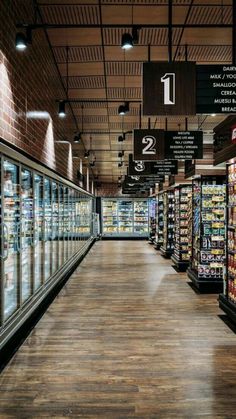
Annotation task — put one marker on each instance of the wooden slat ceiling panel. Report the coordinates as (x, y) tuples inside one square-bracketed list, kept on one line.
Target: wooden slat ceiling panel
[(79, 54), (101, 72), (210, 14), (71, 14), (86, 82)]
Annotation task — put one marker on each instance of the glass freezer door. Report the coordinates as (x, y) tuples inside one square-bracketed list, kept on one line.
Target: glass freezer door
[(47, 228), (38, 231), (55, 227), (27, 237), (61, 226), (11, 240)]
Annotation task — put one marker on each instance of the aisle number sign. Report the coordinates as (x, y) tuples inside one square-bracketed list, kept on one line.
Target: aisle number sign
[(155, 145), (157, 168), (169, 88)]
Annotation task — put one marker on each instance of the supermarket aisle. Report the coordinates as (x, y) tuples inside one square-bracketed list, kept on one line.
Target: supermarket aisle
[(126, 338)]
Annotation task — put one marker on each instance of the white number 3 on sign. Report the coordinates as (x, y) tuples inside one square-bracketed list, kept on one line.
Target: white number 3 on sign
[(150, 145), (169, 88)]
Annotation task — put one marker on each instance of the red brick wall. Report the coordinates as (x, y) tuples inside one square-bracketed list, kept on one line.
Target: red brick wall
[(29, 81)]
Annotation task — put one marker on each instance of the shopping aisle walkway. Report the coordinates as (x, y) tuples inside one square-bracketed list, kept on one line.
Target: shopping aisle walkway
[(126, 338)]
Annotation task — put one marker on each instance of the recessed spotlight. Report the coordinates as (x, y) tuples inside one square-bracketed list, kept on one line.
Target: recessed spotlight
[(213, 114)]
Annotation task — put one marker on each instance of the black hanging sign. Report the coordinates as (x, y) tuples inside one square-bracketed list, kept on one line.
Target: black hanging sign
[(169, 88), (139, 168), (160, 167), (216, 89), (148, 144), (183, 145), (165, 167)]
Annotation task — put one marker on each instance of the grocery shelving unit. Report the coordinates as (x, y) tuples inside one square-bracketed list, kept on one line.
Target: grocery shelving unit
[(159, 221), (125, 217), (207, 262), (152, 219), (227, 300), (180, 257), (167, 247)]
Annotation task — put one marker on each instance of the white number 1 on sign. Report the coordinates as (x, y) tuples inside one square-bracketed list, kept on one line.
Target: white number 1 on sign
[(150, 147), (169, 88)]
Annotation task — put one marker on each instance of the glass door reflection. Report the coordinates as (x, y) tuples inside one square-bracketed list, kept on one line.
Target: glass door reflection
[(61, 226), (11, 240), (47, 228), (38, 231), (55, 227), (26, 228)]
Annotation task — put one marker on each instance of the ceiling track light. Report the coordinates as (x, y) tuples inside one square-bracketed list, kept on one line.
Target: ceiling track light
[(92, 164), (121, 154), (62, 109), (123, 109), (86, 154), (77, 137), (120, 164), (22, 40), (127, 41)]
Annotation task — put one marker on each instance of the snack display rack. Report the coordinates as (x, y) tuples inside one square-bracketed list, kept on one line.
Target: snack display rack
[(167, 247), (207, 263), (180, 257), (227, 300), (158, 242)]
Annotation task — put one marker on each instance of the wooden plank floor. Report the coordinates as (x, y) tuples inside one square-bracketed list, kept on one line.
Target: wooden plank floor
[(126, 338)]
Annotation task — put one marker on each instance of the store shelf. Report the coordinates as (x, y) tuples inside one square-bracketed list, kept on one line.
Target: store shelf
[(209, 231), (180, 257), (167, 246), (214, 286)]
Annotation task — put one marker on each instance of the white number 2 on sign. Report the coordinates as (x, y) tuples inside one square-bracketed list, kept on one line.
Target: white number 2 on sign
[(150, 147), (169, 88)]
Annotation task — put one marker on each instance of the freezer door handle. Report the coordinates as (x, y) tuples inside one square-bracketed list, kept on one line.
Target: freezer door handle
[(5, 239)]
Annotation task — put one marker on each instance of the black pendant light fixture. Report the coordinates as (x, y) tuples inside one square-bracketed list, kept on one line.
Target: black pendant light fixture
[(127, 41), (62, 103), (62, 109), (78, 136), (22, 40)]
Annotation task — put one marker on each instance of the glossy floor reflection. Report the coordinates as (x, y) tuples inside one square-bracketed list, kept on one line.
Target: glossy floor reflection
[(126, 338)]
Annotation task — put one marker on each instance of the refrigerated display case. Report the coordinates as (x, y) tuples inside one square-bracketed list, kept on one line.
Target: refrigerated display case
[(159, 237), (180, 257), (40, 238), (167, 247), (125, 217), (110, 216), (227, 300), (141, 217), (207, 264)]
